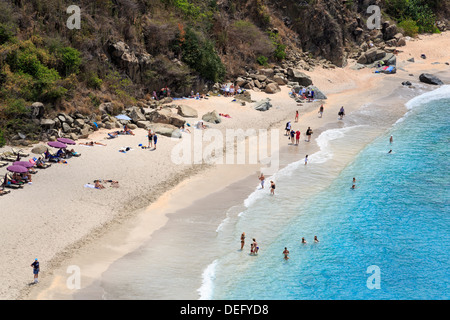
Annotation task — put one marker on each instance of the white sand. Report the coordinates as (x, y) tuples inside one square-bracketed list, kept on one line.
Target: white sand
[(56, 216)]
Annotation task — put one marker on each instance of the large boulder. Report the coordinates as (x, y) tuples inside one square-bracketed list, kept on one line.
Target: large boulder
[(272, 88), (135, 114), (166, 116), (37, 110), (263, 105), (319, 95), (187, 112), (212, 117), (47, 124), (298, 76), (167, 130), (430, 79)]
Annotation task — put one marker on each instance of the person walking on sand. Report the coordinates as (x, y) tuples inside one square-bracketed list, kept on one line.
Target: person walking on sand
[(36, 269), (286, 253), (320, 111), (272, 187), (288, 128), (262, 179), (297, 137), (155, 140), (150, 138), (309, 132), (296, 116), (242, 240), (292, 136)]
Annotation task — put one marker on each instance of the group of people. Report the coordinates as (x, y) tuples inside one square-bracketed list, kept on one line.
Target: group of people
[(294, 136), (229, 91), (304, 94), (286, 251), (163, 93), (262, 179), (254, 248)]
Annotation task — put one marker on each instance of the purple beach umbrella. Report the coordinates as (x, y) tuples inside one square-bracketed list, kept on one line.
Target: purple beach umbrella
[(23, 164), (17, 169), (66, 140), (57, 144)]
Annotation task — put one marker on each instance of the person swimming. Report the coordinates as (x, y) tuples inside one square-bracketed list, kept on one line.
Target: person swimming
[(286, 253), (303, 241)]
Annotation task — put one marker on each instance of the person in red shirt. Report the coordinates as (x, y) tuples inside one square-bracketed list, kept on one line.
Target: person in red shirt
[(297, 137)]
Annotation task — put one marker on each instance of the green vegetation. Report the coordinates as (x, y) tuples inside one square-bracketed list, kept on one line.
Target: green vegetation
[(417, 11), (200, 55), (262, 60), (409, 27)]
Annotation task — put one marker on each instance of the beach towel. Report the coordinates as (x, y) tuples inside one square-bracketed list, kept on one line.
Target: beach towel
[(87, 185)]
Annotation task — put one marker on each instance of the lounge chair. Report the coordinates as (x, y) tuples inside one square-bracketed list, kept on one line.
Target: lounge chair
[(10, 185), (8, 156), (3, 163), (19, 153)]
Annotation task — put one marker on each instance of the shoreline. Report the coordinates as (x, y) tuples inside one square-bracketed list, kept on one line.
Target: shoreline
[(180, 185)]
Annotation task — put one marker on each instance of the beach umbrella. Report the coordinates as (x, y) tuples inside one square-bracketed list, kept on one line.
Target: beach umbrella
[(39, 149), (123, 117), (66, 140), (23, 164), (17, 169), (57, 144)]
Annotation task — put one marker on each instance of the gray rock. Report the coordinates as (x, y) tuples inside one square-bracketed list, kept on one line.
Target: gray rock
[(143, 124), (65, 127), (298, 76), (212, 117), (136, 114), (187, 112), (37, 110), (319, 95), (263, 105), (165, 130), (47, 123), (430, 79), (79, 123)]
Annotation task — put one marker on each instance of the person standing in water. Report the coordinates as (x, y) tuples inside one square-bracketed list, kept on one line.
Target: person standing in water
[(262, 179), (306, 160), (242, 240), (341, 113), (255, 247), (320, 111), (272, 187), (303, 241), (286, 253), (315, 239), (391, 139)]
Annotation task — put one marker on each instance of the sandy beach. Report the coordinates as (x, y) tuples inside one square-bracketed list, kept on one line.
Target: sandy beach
[(63, 223)]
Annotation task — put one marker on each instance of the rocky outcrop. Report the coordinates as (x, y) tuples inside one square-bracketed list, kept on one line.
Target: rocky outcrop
[(134, 64), (302, 79), (166, 116)]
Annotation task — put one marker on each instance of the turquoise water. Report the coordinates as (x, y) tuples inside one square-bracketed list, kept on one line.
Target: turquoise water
[(397, 219)]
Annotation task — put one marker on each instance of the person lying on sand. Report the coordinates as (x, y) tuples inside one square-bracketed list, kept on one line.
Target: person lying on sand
[(127, 130), (98, 185), (91, 144), (226, 115)]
